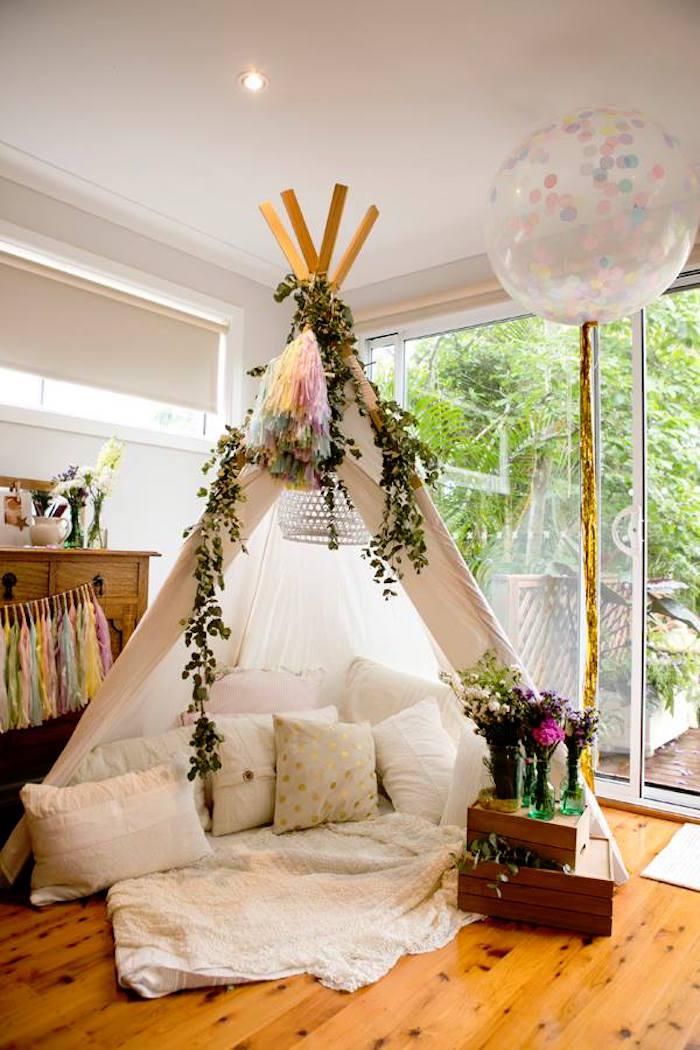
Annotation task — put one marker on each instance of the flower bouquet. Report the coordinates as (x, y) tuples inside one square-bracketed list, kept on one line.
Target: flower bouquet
[(581, 729), (491, 697), (544, 721), (73, 485)]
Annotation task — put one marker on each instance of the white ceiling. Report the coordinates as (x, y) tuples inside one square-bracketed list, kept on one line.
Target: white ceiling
[(131, 109)]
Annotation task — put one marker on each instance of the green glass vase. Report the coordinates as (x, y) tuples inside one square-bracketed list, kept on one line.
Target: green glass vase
[(528, 778), (543, 802), (76, 536), (573, 797)]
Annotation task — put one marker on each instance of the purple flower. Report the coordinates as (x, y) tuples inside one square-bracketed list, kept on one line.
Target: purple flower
[(548, 733)]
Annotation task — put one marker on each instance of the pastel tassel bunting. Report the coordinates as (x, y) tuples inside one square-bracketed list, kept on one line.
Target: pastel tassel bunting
[(54, 655), (289, 429), (102, 630)]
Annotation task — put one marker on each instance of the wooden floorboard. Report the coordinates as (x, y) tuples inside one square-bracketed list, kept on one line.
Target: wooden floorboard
[(497, 985)]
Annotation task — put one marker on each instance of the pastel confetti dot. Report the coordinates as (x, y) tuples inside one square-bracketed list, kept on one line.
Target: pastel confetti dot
[(606, 163), (658, 171), (535, 196), (610, 189), (572, 128), (603, 207), (604, 262), (550, 180), (568, 214), (552, 201), (627, 139), (584, 136), (599, 175), (625, 185), (607, 148)]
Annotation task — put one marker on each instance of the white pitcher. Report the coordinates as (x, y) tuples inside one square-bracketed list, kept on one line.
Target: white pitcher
[(49, 532)]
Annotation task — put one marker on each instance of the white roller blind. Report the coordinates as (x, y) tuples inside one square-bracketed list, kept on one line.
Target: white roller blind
[(61, 326)]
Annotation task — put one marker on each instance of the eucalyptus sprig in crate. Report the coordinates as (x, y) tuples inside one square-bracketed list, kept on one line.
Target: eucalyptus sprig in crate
[(507, 881)]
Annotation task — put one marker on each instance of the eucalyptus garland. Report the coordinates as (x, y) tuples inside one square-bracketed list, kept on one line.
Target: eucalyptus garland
[(401, 532), (400, 535), (205, 622)]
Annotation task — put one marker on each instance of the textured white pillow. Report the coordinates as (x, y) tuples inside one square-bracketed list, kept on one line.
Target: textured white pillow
[(243, 790), (254, 691), (415, 759), (89, 836), (470, 775), (141, 752), (374, 692)]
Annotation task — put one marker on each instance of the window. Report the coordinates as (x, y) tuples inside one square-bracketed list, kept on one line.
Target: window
[(121, 354), (71, 399), (498, 404)]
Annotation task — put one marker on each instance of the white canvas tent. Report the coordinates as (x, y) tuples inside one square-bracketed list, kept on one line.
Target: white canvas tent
[(295, 606)]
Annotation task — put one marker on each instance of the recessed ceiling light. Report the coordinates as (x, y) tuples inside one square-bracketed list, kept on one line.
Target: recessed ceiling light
[(252, 80)]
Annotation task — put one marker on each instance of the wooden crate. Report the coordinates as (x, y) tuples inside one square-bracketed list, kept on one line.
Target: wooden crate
[(562, 839), (582, 902)]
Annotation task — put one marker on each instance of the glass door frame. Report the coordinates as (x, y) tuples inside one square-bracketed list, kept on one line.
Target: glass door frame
[(636, 790)]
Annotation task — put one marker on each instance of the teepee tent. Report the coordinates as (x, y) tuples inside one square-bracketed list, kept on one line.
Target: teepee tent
[(289, 604)]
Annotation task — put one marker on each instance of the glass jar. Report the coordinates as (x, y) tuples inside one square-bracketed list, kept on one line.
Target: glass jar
[(543, 803)]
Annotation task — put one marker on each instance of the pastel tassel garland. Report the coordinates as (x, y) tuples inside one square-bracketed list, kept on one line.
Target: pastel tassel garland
[(54, 654), (289, 429), (102, 630)]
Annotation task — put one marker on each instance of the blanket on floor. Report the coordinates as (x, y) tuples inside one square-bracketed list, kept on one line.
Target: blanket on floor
[(342, 902)]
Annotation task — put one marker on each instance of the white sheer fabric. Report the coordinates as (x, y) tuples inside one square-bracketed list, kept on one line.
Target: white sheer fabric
[(295, 606)]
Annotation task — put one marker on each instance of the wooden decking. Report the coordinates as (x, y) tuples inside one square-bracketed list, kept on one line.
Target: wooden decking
[(496, 985), (675, 765)]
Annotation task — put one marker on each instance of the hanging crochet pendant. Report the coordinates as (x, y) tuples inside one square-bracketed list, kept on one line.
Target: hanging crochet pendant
[(290, 425)]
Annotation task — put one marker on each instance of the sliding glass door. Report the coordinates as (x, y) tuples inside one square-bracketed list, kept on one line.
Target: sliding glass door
[(498, 401)]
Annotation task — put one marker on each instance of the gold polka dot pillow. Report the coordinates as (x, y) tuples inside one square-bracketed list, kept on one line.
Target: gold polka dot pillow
[(325, 773)]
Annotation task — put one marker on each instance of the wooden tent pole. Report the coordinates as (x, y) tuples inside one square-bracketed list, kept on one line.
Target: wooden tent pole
[(299, 267), (296, 217), (354, 248), (330, 234)]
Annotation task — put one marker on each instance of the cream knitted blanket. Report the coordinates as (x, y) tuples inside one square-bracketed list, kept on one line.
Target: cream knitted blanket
[(342, 902)]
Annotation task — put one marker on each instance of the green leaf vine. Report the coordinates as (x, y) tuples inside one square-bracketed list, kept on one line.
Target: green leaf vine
[(205, 623), (400, 535)]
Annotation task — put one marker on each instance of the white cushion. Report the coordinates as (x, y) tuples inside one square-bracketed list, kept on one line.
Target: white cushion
[(253, 691), (415, 759), (243, 790), (141, 752), (374, 692), (89, 836), (469, 777)]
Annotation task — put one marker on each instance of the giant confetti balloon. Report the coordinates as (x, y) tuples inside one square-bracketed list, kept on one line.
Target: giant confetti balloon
[(592, 217)]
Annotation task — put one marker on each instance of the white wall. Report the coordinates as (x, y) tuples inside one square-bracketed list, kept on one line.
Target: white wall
[(154, 498)]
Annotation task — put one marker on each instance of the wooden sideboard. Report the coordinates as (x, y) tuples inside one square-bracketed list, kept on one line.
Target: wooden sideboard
[(120, 580)]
